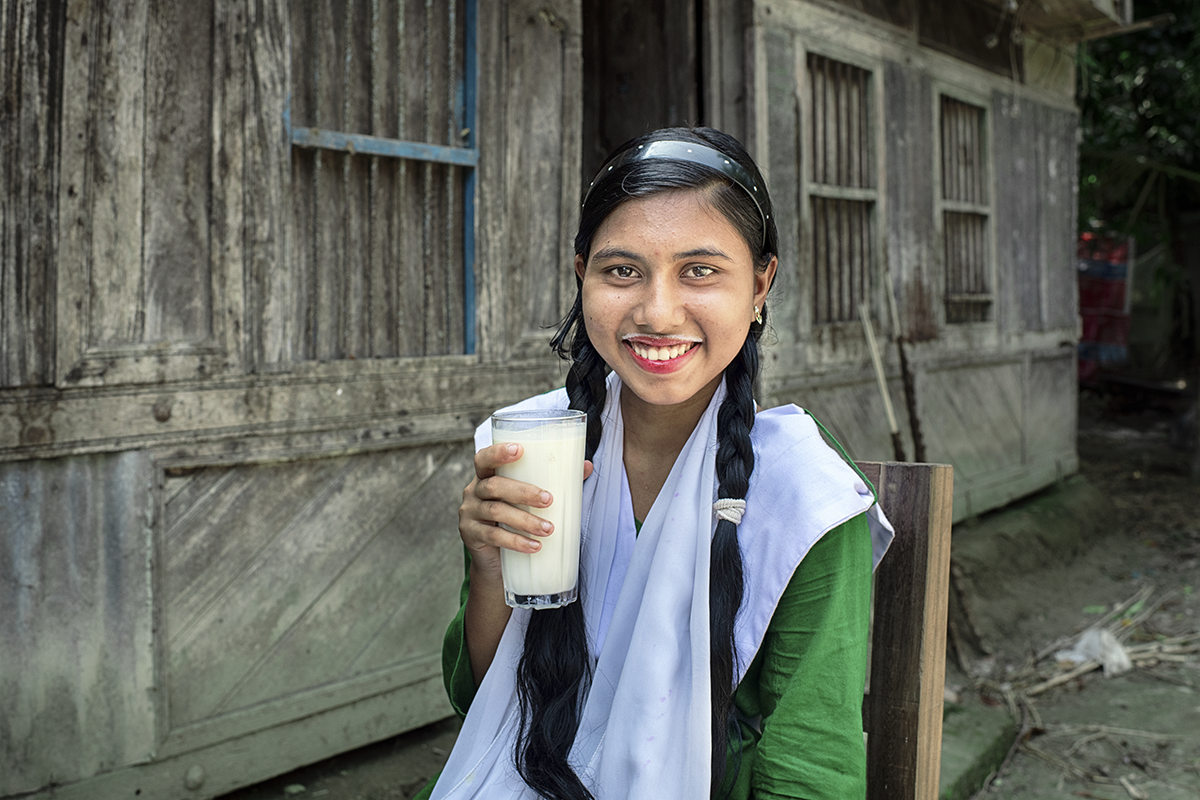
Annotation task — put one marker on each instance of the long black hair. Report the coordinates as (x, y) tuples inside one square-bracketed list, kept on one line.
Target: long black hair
[(555, 667)]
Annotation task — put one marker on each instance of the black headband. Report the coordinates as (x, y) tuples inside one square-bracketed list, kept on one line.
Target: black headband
[(694, 153)]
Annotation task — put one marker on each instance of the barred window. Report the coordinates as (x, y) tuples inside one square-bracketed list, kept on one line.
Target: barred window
[(966, 213), (842, 188), (383, 162)]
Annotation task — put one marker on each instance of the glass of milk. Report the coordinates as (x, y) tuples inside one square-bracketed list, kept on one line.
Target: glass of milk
[(552, 460)]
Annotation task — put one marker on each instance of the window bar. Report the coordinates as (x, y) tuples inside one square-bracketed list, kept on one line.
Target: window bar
[(361, 144)]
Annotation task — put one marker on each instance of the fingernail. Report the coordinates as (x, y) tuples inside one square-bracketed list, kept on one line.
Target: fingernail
[(512, 449), (545, 498), (534, 547), (546, 526)]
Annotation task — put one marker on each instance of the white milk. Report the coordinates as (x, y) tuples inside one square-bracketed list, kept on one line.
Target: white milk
[(554, 463)]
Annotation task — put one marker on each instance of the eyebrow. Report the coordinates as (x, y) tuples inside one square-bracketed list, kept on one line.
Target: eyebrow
[(702, 252), (606, 253)]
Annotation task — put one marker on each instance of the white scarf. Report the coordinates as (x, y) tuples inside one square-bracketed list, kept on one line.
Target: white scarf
[(646, 721)]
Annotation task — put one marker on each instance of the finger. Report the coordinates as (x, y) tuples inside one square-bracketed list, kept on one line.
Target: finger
[(496, 455), (497, 512), (493, 536), (587, 469), (514, 492)]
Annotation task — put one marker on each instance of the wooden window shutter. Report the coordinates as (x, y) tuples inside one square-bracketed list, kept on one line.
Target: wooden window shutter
[(383, 162), (966, 213), (842, 188)]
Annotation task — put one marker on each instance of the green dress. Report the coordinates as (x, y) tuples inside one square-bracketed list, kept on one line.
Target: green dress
[(805, 684)]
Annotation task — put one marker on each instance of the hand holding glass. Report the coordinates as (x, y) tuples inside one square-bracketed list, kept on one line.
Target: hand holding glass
[(553, 442)]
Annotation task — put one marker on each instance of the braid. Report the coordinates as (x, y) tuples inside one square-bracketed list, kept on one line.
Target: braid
[(586, 387), (734, 464), (554, 666)]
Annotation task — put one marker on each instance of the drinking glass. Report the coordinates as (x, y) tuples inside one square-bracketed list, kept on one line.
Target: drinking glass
[(552, 460)]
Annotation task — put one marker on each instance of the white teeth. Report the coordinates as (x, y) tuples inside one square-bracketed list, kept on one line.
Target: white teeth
[(660, 353)]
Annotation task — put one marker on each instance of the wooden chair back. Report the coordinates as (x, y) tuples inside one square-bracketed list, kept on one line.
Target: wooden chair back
[(902, 709)]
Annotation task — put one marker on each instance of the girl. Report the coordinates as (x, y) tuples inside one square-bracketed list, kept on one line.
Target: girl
[(719, 644)]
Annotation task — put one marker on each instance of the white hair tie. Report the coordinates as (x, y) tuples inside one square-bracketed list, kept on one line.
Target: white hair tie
[(730, 509)]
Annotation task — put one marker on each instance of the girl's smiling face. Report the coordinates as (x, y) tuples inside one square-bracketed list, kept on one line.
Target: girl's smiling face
[(669, 292)]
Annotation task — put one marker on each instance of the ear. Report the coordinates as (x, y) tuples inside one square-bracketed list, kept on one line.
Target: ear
[(580, 267), (763, 281)]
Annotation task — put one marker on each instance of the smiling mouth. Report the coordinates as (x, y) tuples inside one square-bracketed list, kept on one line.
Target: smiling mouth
[(667, 353)]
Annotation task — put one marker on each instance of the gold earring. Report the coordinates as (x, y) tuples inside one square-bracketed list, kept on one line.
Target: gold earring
[(757, 315)]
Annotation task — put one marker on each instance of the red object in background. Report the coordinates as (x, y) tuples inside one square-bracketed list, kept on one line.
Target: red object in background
[(1104, 270), (1101, 294), (1102, 248), (1106, 329)]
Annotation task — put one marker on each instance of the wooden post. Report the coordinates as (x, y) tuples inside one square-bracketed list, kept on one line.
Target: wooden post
[(902, 712)]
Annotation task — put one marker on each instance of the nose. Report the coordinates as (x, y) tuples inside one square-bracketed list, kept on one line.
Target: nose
[(661, 307)]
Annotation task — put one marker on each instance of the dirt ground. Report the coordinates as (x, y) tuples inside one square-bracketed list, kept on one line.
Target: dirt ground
[(1136, 735)]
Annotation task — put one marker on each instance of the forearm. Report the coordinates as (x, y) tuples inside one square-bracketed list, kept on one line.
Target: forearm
[(484, 620)]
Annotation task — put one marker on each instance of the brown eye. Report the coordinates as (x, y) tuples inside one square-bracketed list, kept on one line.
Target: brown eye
[(700, 271)]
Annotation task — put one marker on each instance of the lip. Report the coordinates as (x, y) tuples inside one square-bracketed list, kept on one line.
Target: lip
[(660, 367)]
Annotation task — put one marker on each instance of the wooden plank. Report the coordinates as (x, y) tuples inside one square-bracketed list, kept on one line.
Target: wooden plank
[(370, 404), (31, 47), (785, 168), (537, 166), (854, 415), (409, 251), (116, 158), (1057, 181), (437, 300), (1017, 213), (177, 290), (226, 657), (492, 187), (973, 417), (725, 30), (292, 707), (903, 711), (183, 492), (1052, 418), (910, 235), (998, 488), (329, 187), (356, 175), (77, 665), (235, 762), (206, 544), (391, 602), (898, 12), (276, 322), (236, 334), (73, 248), (383, 265)]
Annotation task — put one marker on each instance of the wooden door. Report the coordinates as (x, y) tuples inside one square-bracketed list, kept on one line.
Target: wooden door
[(641, 72)]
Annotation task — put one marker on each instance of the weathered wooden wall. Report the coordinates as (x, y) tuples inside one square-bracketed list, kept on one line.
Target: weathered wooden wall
[(993, 386), (235, 400), (31, 42), (77, 665)]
